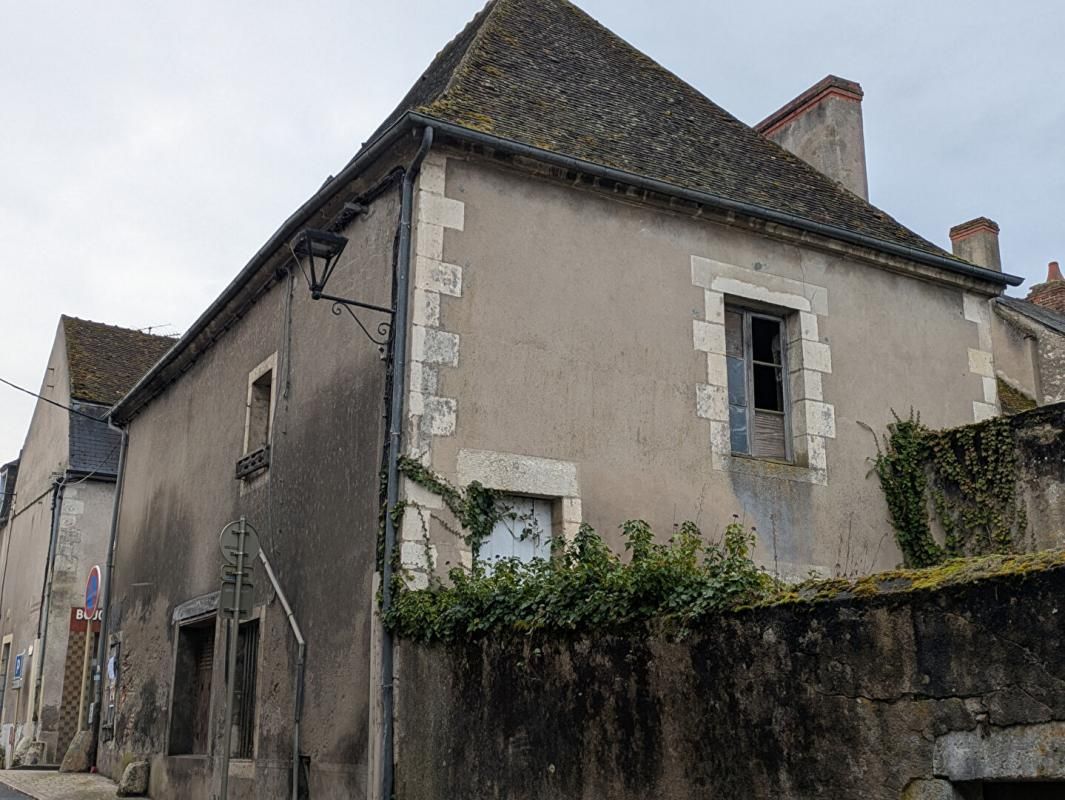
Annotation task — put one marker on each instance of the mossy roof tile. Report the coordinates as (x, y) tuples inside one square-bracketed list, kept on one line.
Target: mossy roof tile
[(544, 73), (105, 361)]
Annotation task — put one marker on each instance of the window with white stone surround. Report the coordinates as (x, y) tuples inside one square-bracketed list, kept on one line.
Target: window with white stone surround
[(759, 411), (780, 319)]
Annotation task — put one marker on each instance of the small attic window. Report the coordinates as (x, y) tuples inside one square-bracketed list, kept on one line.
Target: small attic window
[(258, 420), (259, 396)]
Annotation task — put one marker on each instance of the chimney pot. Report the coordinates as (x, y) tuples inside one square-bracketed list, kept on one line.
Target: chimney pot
[(1051, 293), (823, 127), (976, 241)]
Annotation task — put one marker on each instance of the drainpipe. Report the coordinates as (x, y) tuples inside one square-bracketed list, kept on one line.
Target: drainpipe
[(301, 657), (46, 604), (395, 439), (105, 591)]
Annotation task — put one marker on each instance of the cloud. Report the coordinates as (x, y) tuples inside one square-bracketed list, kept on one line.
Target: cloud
[(149, 150)]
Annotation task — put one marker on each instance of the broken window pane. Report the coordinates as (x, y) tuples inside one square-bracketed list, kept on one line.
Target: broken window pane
[(737, 381), (737, 418), (768, 388), (765, 340)]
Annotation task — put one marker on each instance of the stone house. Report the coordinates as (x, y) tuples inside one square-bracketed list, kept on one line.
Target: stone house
[(54, 524), (1029, 345), (595, 291)]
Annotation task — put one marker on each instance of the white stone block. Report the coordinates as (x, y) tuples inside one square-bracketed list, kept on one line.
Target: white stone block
[(571, 510), (716, 369), (429, 241), (720, 437), (414, 526), (441, 413), (417, 580), (432, 176), (426, 308), (981, 362), (413, 556), (808, 326), (420, 496), (415, 403), (708, 337), (522, 474), (816, 453), (438, 210), (432, 346), (816, 419), (436, 276), (711, 402), (816, 356), (423, 378), (990, 390), (982, 411), (805, 384), (760, 293), (715, 307), (975, 307)]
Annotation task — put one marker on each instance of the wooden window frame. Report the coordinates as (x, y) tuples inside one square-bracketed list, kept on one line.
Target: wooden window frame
[(748, 313)]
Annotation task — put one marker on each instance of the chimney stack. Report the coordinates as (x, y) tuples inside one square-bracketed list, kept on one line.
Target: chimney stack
[(1051, 293), (823, 127), (976, 241)]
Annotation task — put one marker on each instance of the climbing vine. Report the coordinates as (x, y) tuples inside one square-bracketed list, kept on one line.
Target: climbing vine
[(476, 508), (967, 476), (586, 586)]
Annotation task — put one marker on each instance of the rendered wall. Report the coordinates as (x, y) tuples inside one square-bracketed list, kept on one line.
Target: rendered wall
[(316, 510), (910, 695), (577, 333)]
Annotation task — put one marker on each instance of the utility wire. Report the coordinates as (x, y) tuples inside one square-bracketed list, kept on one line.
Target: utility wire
[(54, 403)]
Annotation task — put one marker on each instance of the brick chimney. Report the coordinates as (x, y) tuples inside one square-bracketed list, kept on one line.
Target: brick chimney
[(823, 127), (1051, 293), (976, 241)]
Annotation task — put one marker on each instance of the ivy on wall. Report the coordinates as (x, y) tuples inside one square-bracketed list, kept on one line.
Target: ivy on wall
[(584, 585), (965, 479)]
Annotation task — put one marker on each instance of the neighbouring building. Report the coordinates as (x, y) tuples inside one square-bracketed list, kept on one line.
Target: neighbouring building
[(623, 302), (55, 518), (1029, 345)]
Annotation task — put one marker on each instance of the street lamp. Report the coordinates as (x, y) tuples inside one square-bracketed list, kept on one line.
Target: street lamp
[(322, 250)]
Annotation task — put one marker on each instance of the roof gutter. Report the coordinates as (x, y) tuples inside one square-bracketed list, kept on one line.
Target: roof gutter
[(715, 201), (136, 397)]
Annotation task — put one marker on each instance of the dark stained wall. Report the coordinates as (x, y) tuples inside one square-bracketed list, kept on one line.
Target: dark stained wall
[(316, 512), (908, 695)]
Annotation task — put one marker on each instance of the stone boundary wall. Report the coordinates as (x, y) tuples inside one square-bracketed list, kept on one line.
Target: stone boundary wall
[(912, 694), (1039, 437)]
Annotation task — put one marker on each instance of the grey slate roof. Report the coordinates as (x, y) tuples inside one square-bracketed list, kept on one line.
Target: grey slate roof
[(93, 445), (1044, 316), (544, 73), (105, 360)]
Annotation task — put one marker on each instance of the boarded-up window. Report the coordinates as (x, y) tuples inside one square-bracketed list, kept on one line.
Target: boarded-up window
[(524, 532), (757, 383), (190, 709)]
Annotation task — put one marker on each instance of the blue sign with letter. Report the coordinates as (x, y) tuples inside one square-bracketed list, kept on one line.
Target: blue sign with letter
[(16, 679)]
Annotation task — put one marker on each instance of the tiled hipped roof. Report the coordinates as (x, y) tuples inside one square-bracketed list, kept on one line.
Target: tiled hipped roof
[(105, 361), (544, 73)]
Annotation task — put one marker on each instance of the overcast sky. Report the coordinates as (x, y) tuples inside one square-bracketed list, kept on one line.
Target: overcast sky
[(147, 150)]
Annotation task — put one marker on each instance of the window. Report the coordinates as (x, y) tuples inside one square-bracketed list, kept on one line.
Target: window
[(242, 741), (258, 420), (260, 395), (190, 709), (524, 533), (757, 383)]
